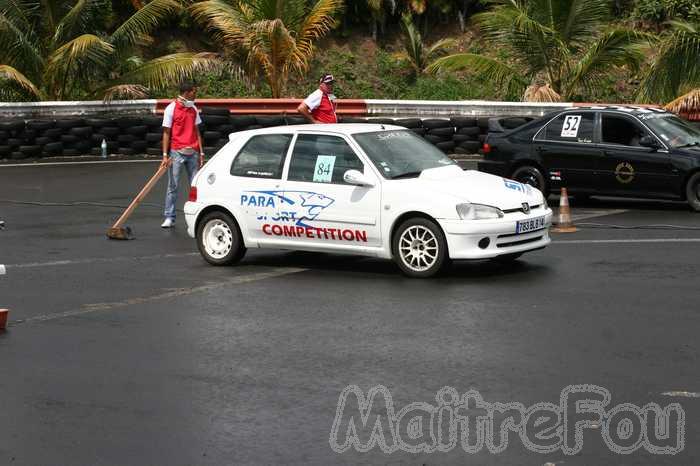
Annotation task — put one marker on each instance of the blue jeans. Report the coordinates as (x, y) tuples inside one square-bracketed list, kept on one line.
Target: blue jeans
[(177, 161)]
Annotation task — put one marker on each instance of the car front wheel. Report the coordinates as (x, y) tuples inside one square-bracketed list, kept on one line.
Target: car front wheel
[(419, 247), (692, 192), (219, 239), (527, 174)]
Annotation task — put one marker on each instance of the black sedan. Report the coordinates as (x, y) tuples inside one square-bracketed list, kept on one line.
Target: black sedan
[(612, 151)]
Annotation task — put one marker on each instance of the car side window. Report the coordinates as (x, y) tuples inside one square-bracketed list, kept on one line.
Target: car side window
[(319, 158), (262, 156), (570, 127), (620, 130)]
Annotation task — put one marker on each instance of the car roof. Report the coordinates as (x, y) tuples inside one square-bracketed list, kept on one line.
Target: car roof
[(631, 109), (340, 128)]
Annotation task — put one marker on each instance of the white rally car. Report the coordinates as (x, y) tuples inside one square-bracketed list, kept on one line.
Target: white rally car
[(364, 189)]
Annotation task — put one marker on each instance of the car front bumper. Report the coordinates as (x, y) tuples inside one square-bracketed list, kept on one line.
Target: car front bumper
[(466, 239)]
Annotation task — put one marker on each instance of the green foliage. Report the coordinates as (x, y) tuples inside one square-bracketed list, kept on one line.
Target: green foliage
[(658, 11)]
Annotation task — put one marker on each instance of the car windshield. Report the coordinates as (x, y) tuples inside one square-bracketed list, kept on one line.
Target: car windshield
[(673, 131), (401, 153)]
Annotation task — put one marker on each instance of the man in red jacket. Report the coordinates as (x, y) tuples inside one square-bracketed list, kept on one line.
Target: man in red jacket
[(182, 144), (319, 106)]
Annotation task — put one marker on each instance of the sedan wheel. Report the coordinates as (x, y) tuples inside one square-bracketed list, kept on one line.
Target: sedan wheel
[(420, 249), (530, 175), (692, 192)]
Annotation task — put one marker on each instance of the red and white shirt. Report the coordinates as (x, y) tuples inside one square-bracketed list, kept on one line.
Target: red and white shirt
[(182, 122), (322, 106)]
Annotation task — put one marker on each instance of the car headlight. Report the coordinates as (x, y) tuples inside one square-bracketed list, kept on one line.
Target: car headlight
[(469, 211)]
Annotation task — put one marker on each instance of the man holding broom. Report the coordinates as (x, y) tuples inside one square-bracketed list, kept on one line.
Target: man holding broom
[(182, 144)]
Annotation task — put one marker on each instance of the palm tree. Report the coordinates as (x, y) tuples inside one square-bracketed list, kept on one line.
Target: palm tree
[(58, 50), (675, 70), (272, 37), (562, 43), (415, 52)]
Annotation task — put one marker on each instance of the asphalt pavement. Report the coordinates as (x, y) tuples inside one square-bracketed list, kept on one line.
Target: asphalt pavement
[(139, 353)]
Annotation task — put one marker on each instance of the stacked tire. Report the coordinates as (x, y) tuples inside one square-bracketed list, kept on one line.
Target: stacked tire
[(11, 139), (467, 137), (440, 132)]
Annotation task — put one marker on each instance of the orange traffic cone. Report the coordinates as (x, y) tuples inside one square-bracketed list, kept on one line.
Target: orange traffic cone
[(565, 224), (3, 318)]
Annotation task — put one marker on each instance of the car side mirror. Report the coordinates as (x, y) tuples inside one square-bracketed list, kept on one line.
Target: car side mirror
[(648, 141), (357, 178)]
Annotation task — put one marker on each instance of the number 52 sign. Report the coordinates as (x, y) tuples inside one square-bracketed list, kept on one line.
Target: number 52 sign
[(570, 128)]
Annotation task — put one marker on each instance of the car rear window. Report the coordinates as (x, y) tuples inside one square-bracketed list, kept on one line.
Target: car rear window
[(262, 156)]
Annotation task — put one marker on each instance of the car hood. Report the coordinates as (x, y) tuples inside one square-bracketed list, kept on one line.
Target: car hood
[(478, 187)]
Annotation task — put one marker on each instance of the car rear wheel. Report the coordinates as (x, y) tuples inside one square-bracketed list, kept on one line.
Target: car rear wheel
[(419, 247), (219, 239), (528, 174), (692, 192)]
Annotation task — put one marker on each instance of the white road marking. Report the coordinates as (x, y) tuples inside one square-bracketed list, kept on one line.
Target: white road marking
[(92, 260), (98, 307), (682, 394), (622, 241), (86, 162), (3, 270), (595, 213)]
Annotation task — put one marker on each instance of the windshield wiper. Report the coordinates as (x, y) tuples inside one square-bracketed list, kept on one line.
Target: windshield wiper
[(690, 144), (415, 174)]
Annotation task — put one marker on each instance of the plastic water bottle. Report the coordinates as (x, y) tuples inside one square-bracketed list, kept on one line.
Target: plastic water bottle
[(103, 146)]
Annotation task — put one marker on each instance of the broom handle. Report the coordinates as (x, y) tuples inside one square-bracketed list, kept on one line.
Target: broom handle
[(139, 197)]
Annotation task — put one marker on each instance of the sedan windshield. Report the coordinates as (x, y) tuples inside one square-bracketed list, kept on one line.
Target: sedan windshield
[(401, 153), (673, 131)]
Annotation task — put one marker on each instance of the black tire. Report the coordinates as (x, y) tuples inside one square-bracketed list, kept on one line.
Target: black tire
[(5, 151), (17, 155), (507, 258), (692, 192), (14, 142), (153, 121), (70, 152), (481, 138), (215, 111), (431, 123), (125, 139), (69, 123), (97, 138), (463, 122), (53, 133), (462, 151), (154, 137), (413, 257), (128, 122), (69, 138), (409, 122), (529, 174), (139, 147), (381, 121), (211, 136), (42, 140), (215, 120), (214, 230), (242, 121), (154, 151), (210, 150), (81, 131), (53, 148), (419, 131), (483, 123), (4, 135), (472, 131), (447, 146), (252, 127), (513, 122), (459, 138), (40, 125), (12, 126), (296, 120), (125, 151), (353, 120), (449, 131), (433, 139), (111, 131), (97, 122), (137, 130), (269, 121), (83, 147), (225, 129), (471, 146)]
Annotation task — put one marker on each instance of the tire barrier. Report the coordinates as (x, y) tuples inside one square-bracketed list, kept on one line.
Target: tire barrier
[(134, 135)]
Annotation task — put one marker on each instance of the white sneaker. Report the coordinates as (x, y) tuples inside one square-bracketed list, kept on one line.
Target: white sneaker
[(168, 223)]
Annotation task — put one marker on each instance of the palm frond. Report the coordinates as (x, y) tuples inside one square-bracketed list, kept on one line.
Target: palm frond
[(319, 20), (144, 21), (440, 47), (75, 21), (125, 91), (13, 75), (18, 45), (675, 67), (578, 20), (492, 70), (168, 70), (616, 47), (541, 93), (229, 24)]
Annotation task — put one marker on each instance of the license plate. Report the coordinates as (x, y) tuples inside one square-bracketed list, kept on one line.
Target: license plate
[(526, 226)]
